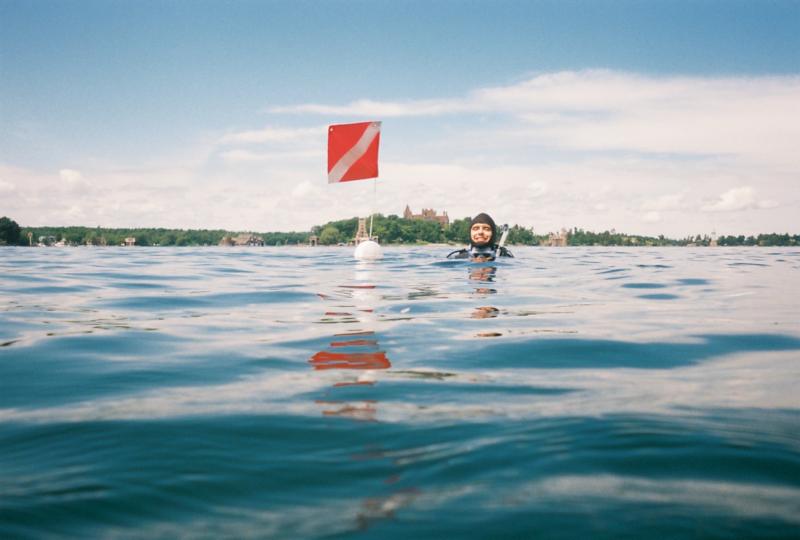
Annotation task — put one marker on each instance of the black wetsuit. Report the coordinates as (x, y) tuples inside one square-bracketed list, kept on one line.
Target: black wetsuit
[(487, 252)]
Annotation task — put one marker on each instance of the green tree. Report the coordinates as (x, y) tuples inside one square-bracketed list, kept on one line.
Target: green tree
[(329, 236), (9, 231), (390, 232), (74, 235), (458, 231)]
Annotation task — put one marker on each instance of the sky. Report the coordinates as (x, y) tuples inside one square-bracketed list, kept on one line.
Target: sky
[(661, 117)]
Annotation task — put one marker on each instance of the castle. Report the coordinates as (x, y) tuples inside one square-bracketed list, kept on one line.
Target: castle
[(428, 214)]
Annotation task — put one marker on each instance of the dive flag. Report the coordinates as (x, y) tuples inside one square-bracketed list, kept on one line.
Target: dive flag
[(353, 151)]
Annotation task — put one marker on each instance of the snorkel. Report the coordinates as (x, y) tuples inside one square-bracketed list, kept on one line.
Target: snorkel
[(503, 236)]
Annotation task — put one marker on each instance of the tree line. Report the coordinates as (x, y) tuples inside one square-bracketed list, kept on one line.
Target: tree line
[(579, 237), (101, 236), (393, 229), (390, 229)]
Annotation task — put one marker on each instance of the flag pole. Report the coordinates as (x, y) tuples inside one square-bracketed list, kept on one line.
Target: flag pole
[(374, 202)]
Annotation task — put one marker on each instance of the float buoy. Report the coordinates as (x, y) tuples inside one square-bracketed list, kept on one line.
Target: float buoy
[(368, 250)]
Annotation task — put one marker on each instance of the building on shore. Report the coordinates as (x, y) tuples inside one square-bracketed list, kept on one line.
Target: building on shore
[(130, 241), (558, 239), (46, 241), (244, 239), (428, 214)]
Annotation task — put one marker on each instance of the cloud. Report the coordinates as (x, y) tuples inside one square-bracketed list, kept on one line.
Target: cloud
[(740, 198), (383, 109), (673, 201), (72, 178), (652, 217), (593, 149), (273, 135), (241, 155), (768, 204), (600, 110), (305, 189), (537, 189), (274, 144)]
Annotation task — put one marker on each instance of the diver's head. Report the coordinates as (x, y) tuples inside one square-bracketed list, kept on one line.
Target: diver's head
[(482, 230)]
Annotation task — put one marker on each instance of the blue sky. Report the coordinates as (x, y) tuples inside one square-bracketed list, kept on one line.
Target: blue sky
[(546, 102)]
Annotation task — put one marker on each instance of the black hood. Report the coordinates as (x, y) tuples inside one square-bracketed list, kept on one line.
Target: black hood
[(487, 219)]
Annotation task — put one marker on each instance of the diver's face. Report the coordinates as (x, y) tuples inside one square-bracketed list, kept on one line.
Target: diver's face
[(480, 234)]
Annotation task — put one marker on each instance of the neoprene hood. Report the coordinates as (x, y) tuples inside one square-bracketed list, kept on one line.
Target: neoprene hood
[(487, 219)]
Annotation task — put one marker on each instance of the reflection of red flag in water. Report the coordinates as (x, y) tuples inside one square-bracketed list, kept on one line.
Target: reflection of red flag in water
[(353, 151), (359, 360)]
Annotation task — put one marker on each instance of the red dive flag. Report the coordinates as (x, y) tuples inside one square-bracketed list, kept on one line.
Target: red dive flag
[(353, 151)]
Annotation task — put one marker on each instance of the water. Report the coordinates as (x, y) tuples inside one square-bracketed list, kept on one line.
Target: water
[(296, 393)]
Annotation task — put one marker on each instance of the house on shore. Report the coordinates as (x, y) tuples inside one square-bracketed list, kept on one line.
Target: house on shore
[(244, 239), (428, 214), (558, 239)]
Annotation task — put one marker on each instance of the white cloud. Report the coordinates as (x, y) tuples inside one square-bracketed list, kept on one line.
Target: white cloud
[(73, 179), (242, 155), (740, 198), (305, 189), (606, 110), (274, 144), (767, 204), (537, 189), (274, 135), (652, 217), (673, 201), (382, 109), (593, 149), (6, 187), (70, 176)]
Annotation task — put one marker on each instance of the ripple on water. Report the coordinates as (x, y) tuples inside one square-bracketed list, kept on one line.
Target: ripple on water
[(296, 393), (322, 475), (216, 300), (643, 285), (693, 281)]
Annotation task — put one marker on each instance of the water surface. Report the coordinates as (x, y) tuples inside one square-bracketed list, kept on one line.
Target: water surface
[(297, 393)]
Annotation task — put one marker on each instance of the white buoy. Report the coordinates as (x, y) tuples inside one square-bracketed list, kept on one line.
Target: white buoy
[(368, 251)]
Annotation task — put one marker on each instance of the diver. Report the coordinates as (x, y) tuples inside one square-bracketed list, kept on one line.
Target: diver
[(482, 245)]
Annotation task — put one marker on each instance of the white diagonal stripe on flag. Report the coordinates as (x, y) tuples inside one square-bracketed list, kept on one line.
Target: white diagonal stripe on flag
[(354, 154)]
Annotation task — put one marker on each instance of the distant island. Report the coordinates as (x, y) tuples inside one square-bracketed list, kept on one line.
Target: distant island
[(390, 230)]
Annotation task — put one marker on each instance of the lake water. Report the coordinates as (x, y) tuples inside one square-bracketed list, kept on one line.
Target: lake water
[(297, 393)]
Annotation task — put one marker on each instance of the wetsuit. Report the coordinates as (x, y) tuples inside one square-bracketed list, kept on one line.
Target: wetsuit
[(487, 252)]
